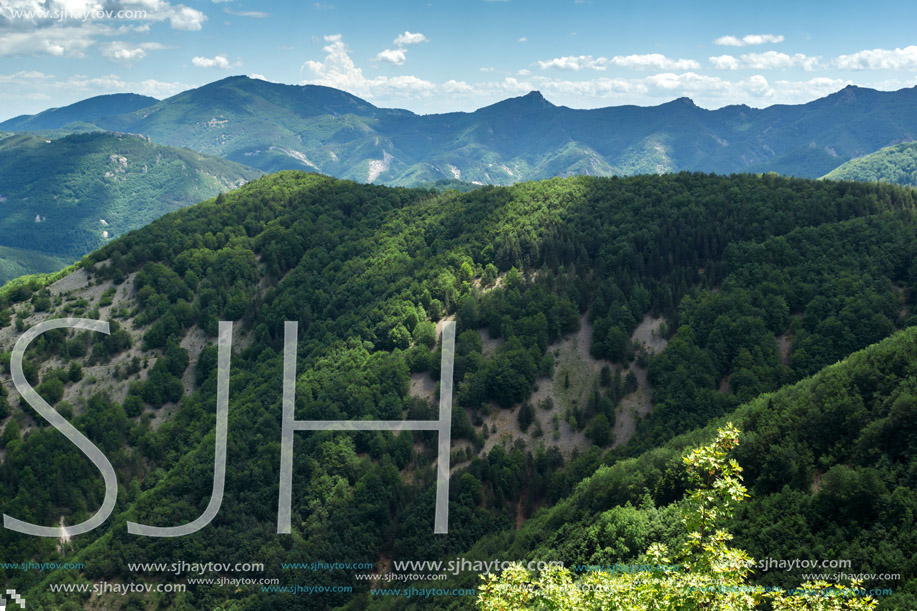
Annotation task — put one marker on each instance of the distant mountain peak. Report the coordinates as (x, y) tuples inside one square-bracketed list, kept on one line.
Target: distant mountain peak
[(533, 100)]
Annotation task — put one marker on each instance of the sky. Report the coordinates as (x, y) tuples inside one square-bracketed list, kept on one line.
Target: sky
[(433, 56)]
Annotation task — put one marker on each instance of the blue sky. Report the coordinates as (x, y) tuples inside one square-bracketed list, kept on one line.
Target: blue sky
[(436, 56)]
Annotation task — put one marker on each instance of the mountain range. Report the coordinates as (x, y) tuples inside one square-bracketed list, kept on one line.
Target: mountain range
[(272, 126)]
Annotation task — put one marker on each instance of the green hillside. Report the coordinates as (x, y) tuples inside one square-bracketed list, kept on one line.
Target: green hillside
[(63, 198), (895, 164), (831, 461), (602, 324)]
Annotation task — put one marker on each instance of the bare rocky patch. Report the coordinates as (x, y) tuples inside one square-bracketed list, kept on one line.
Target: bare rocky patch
[(649, 335)]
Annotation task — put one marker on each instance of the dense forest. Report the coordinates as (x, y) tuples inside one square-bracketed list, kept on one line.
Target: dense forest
[(756, 285)]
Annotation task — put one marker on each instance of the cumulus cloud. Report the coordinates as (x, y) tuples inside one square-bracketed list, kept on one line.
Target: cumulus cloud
[(182, 17), (725, 62), (399, 54), (769, 60), (409, 38), (707, 91), (392, 56), (84, 22), (572, 62), (772, 59), (748, 40), (589, 81), (32, 91), (128, 53), (220, 61), (57, 42), (654, 61), (880, 59), (453, 86), (651, 61), (338, 70)]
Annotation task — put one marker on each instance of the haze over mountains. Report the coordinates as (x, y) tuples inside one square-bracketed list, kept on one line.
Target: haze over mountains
[(273, 126)]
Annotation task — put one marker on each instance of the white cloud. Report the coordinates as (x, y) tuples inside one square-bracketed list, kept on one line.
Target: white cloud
[(409, 38), (127, 53), (773, 60), (252, 14), (573, 62), (725, 62), (712, 90), (769, 60), (158, 89), (523, 39), (880, 59), (33, 76), (31, 91), (654, 61), (392, 56), (453, 86), (338, 70), (220, 61), (84, 23), (98, 11), (805, 91), (706, 91), (182, 17), (651, 61), (57, 41), (398, 55), (748, 40)]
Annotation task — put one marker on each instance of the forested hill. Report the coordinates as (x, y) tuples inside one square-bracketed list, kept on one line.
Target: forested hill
[(63, 198), (597, 318), (272, 126), (895, 164)]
